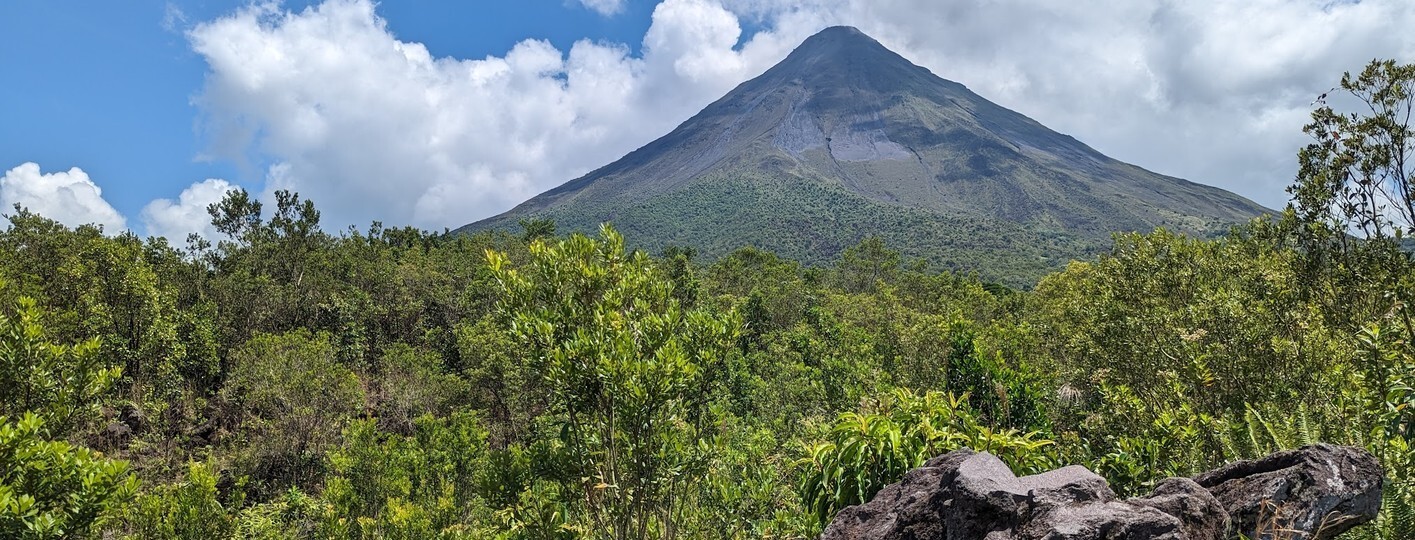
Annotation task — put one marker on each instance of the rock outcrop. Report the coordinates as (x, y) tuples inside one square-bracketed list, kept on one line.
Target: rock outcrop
[(1321, 490), (1314, 493)]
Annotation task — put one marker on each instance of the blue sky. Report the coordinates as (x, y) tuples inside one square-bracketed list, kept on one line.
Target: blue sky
[(439, 113), (108, 86)]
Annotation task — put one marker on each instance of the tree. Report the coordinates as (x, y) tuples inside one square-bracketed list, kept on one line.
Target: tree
[(628, 370), (185, 510), (424, 485), (235, 214), (1218, 321), (533, 229), (1357, 174), (269, 276), (48, 488), (92, 286), (864, 265), (678, 262)]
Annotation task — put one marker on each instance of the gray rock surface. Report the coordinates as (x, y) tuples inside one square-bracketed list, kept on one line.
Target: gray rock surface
[(1313, 493), (1194, 507), (1322, 490)]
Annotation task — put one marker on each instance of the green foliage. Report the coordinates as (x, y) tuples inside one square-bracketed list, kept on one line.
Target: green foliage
[(813, 222), (503, 385), (294, 399), (1397, 518), (533, 229), (747, 491), (1003, 395), (421, 486), (111, 290), (863, 266), (235, 214), (542, 514), (628, 369), (288, 383), (185, 510), (1358, 172), (1220, 318), (410, 383), (292, 516), (53, 489), (60, 383), (863, 452)]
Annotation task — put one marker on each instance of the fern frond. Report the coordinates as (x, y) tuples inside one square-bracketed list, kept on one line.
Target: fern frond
[(1253, 430), (1276, 440), (1304, 426), (1399, 508)]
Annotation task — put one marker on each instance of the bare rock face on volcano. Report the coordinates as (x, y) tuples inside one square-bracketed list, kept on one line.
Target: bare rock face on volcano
[(845, 139)]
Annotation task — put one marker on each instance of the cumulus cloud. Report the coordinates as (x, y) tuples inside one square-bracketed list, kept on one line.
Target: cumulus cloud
[(176, 219), (371, 127), (1215, 91), (604, 7), (68, 197), (335, 106)]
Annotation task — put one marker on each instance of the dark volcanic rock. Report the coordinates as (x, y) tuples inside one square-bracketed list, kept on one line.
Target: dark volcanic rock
[(1111, 520), (1322, 490), (1317, 492), (133, 417), (912, 508), (115, 435), (1192, 505)]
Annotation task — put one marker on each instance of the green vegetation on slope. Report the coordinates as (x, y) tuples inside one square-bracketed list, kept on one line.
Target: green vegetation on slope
[(806, 220)]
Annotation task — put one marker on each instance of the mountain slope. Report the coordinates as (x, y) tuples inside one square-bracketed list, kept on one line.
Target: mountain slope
[(844, 139)]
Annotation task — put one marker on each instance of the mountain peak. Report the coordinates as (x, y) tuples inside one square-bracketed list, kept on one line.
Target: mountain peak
[(836, 33), (844, 139), (843, 56), (837, 42)]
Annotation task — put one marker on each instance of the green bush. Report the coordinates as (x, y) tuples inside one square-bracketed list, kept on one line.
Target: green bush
[(53, 489), (186, 510), (291, 399), (60, 383), (385, 485)]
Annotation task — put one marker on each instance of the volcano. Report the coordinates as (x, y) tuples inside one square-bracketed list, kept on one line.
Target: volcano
[(845, 139)]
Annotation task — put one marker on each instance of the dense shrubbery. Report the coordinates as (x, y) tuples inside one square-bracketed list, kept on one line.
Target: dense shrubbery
[(392, 383)]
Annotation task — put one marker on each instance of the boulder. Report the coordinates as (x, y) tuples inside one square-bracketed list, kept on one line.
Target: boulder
[(1320, 490), (1315, 493), (911, 508), (115, 435), (1094, 521), (1201, 516), (130, 415)]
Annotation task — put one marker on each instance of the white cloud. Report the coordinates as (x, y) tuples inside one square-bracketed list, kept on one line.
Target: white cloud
[(68, 197), (604, 7), (173, 18), (176, 219), (1215, 91), (371, 127)]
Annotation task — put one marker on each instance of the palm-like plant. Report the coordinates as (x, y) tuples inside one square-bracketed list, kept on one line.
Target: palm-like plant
[(864, 452)]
